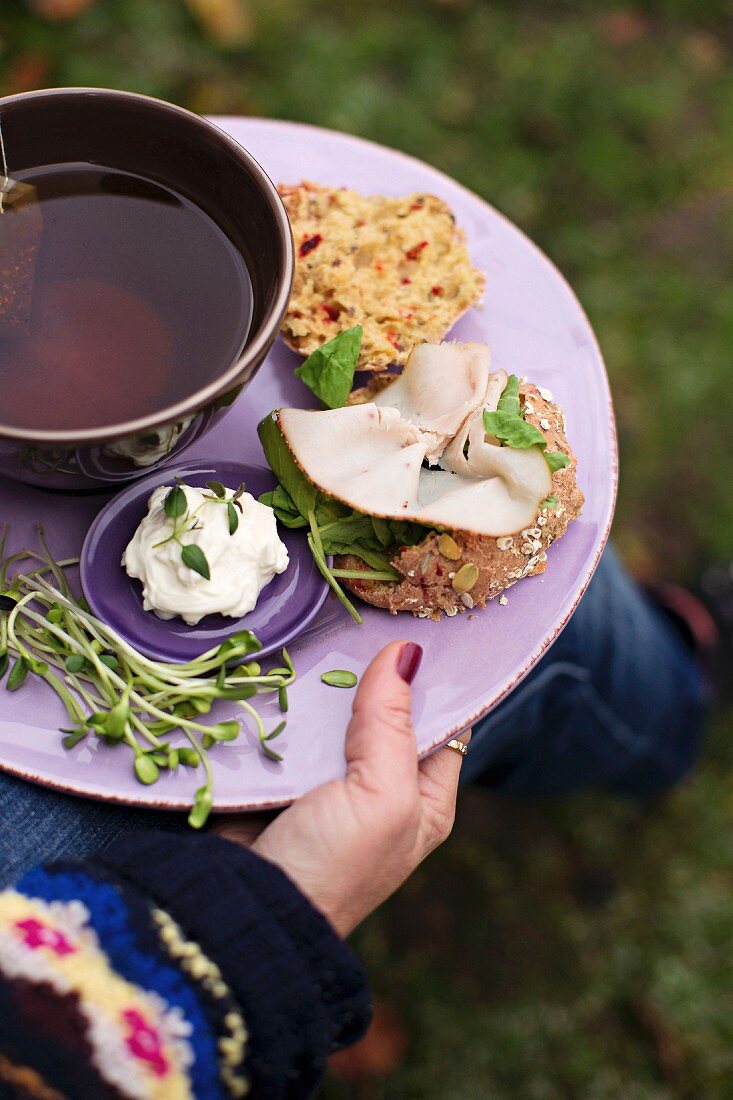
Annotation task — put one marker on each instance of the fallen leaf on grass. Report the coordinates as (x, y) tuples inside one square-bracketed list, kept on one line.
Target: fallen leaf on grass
[(226, 22), (380, 1052)]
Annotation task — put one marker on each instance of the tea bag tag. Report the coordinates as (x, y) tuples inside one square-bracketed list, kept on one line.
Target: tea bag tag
[(14, 194), (21, 227)]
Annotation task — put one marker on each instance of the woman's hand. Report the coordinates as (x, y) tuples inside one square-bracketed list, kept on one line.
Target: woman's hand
[(350, 843)]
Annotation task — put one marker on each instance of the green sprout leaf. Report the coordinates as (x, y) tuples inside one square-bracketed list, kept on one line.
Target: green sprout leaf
[(117, 718), (4, 662), (238, 691), (189, 758), (146, 770), (244, 641), (74, 736), (194, 557), (276, 732), (174, 504), (225, 731), (18, 674), (329, 370), (201, 808), (232, 517), (75, 663)]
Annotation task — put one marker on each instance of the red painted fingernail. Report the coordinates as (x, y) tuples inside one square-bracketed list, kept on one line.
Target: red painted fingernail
[(409, 660)]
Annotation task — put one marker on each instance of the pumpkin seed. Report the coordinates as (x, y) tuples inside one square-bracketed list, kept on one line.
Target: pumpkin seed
[(466, 577), (449, 548), (340, 678)]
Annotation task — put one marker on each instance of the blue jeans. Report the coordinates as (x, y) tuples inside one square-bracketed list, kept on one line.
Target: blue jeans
[(618, 701)]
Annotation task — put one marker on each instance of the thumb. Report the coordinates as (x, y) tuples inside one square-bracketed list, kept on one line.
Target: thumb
[(380, 742)]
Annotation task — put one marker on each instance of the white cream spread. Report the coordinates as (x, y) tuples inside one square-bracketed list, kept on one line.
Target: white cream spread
[(240, 565)]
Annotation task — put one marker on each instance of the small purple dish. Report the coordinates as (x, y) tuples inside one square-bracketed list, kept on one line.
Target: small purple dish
[(287, 605)]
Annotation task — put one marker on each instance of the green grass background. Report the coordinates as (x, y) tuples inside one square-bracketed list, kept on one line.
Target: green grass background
[(582, 949)]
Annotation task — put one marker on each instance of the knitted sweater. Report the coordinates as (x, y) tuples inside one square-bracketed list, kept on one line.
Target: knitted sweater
[(170, 967)]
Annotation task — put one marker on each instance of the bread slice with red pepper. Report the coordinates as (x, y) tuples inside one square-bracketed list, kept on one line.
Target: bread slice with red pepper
[(399, 267)]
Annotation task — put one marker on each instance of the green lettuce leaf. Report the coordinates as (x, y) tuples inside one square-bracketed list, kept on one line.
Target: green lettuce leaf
[(512, 431), (509, 426), (509, 400), (329, 370), (557, 460)]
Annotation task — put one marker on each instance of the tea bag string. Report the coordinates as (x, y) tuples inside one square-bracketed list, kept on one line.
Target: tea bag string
[(5, 168)]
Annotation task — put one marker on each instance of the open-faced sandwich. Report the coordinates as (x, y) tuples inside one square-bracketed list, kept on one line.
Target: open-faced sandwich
[(399, 267), (435, 489)]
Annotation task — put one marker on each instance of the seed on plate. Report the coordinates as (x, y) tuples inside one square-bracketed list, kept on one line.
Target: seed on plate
[(466, 577), (449, 548), (503, 601), (340, 678)]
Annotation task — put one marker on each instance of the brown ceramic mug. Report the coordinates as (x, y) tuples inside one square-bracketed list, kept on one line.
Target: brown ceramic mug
[(148, 137)]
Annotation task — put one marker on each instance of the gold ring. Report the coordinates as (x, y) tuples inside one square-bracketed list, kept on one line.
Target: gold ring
[(457, 746)]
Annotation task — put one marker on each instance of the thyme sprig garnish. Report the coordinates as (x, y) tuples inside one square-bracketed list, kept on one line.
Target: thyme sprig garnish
[(175, 506), (114, 693)]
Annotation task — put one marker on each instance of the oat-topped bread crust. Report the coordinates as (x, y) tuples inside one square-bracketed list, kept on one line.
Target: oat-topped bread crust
[(397, 267), (457, 572)]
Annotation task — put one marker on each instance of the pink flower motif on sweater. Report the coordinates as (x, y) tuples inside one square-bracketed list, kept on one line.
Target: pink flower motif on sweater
[(37, 934), (143, 1041)]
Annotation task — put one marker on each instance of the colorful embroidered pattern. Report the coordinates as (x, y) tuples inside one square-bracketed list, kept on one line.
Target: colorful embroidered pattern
[(122, 920), (139, 1043)]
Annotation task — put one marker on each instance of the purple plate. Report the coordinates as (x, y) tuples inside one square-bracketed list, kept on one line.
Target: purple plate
[(534, 326), (285, 608)]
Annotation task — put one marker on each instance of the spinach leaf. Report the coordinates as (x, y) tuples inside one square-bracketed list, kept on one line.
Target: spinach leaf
[(302, 493), (382, 531), (373, 558), (283, 507), (329, 370), (352, 527)]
